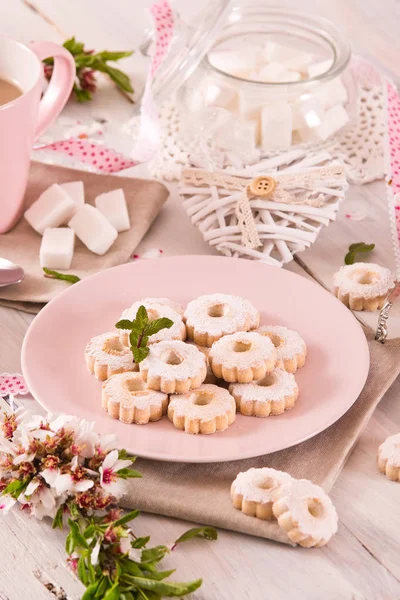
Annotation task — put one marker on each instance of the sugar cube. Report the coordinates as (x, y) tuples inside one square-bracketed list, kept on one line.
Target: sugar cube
[(238, 63), (93, 229), (276, 126), (307, 112), (53, 208), (113, 206), (289, 56), (221, 96), (271, 72), (75, 190), (57, 248), (319, 68), (331, 93), (334, 119)]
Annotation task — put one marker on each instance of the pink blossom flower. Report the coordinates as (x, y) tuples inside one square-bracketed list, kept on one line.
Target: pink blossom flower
[(94, 556), (41, 499), (109, 479), (6, 502), (126, 548)]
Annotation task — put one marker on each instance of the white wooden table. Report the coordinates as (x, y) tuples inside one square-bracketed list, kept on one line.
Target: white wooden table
[(363, 560)]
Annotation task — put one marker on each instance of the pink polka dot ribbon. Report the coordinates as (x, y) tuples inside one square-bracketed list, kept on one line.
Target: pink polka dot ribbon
[(392, 151), (12, 383), (107, 160)]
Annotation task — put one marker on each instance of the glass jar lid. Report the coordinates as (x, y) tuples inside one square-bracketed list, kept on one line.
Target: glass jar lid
[(190, 43)]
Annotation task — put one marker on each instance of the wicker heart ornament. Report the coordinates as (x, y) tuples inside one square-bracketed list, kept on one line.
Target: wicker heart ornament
[(268, 211)]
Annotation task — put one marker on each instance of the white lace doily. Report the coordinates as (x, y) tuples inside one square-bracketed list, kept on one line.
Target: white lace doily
[(360, 147)]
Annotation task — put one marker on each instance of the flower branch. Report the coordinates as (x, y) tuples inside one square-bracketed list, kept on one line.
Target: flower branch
[(61, 468)]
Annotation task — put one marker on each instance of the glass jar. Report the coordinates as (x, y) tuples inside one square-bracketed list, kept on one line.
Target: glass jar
[(281, 73)]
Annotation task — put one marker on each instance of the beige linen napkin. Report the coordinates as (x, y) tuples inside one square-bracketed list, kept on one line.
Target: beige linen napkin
[(201, 493), (21, 245)]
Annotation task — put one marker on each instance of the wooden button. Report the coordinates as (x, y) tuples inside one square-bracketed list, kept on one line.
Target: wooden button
[(263, 186)]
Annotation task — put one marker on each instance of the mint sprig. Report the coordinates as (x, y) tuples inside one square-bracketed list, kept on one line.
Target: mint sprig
[(87, 62), (63, 276), (141, 328), (354, 249)]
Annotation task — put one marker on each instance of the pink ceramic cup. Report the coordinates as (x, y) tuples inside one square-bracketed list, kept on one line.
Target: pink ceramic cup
[(24, 119)]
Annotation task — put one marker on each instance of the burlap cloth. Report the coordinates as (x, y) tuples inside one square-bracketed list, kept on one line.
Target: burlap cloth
[(21, 245), (200, 492)]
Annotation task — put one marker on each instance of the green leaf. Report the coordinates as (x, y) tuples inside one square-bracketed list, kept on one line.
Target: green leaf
[(142, 318), (82, 573), (126, 518), (81, 96), (90, 592), (140, 354), (91, 571), (160, 575), (125, 324), (123, 455), (63, 276), (154, 554), (77, 537), (74, 510), (16, 487), (107, 55), (113, 593), (103, 587), (128, 473), (209, 533), (89, 531), (354, 249), (119, 77), (144, 341), (58, 519), (73, 46), (69, 544), (134, 338), (140, 542), (129, 567), (158, 324), (167, 589)]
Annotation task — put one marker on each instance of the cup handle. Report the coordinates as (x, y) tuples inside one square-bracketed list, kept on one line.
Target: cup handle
[(60, 86)]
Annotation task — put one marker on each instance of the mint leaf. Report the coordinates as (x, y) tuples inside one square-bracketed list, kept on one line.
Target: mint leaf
[(140, 354), (63, 276), (119, 77), (354, 249), (141, 318), (143, 341), (158, 324), (209, 533), (73, 46), (106, 55), (82, 96), (124, 324)]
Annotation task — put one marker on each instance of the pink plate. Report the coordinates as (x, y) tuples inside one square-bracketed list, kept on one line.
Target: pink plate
[(334, 375)]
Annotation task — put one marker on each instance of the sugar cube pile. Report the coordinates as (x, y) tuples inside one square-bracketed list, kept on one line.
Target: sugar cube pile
[(282, 117), (97, 227)]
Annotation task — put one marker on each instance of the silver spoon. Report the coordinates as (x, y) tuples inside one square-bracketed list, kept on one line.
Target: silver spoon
[(10, 273)]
